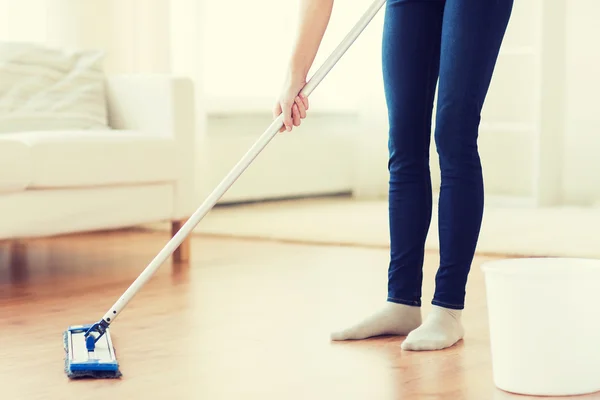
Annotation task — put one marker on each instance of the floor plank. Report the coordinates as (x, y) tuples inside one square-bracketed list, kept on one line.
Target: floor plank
[(247, 319)]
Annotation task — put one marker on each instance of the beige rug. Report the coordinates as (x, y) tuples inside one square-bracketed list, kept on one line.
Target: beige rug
[(564, 231)]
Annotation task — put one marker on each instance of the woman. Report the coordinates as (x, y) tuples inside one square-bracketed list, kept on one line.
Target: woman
[(457, 42)]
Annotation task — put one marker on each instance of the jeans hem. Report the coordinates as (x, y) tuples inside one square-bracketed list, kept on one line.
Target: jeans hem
[(448, 305), (415, 303)]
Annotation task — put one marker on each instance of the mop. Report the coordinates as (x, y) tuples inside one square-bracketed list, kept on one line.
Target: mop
[(89, 349)]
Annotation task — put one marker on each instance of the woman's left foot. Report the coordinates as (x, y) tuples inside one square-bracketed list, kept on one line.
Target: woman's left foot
[(441, 329)]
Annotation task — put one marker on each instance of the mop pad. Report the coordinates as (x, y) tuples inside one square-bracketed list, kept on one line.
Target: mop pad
[(80, 363)]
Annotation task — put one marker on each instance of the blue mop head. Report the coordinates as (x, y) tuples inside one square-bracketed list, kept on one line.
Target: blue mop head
[(101, 363)]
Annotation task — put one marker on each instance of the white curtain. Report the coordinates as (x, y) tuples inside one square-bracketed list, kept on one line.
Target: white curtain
[(134, 33)]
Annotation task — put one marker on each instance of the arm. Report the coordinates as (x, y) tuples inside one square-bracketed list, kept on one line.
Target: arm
[(314, 18)]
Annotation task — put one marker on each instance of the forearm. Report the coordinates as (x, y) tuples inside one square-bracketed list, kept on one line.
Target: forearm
[(314, 18)]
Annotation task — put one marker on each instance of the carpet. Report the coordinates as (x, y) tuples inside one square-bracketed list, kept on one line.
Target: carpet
[(555, 232)]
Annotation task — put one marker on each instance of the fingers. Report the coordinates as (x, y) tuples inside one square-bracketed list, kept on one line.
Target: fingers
[(301, 107), (293, 112), (296, 115), (304, 100)]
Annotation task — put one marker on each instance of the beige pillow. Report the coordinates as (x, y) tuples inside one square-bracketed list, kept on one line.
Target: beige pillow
[(43, 88)]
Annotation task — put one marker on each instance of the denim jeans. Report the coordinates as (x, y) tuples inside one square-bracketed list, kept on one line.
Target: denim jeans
[(454, 44)]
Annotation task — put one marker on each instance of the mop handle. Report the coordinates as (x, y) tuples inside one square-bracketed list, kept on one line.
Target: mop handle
[(239, 168)]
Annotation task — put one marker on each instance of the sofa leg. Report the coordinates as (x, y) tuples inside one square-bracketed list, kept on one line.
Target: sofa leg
[(18, 263), (182, 253)]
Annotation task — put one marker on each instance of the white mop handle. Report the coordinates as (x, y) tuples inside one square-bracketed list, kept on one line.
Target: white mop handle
[(240, 167)]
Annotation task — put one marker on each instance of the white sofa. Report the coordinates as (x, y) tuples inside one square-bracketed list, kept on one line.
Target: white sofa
[(140, 171)]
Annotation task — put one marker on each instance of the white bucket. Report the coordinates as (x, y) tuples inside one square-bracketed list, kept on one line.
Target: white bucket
[(544, 319)]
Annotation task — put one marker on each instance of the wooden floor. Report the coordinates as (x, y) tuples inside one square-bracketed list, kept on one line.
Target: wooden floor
[(245, 320)]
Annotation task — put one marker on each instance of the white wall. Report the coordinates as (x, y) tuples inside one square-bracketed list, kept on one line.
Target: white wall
[(581, 171), (247, 46)]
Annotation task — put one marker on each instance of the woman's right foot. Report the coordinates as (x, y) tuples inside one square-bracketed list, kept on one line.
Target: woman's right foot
[(392, 319)]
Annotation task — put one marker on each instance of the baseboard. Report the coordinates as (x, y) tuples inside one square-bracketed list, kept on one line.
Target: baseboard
[(490, 199), (233, 203)]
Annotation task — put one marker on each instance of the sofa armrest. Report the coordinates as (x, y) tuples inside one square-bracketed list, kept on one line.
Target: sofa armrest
[(156, 104), (160, 105)]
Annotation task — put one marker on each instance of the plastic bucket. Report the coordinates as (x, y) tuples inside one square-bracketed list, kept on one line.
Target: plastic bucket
[(544, 322)]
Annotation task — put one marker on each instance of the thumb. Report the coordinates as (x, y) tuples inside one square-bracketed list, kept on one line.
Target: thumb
[(287, 115), (276, 110), (276, 113)]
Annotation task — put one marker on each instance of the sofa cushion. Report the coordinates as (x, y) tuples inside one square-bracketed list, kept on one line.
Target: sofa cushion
[(94, 158), (15, 165)]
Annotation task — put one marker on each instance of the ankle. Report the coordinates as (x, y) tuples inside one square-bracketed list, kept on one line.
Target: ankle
[(454, 313), (411, 307)]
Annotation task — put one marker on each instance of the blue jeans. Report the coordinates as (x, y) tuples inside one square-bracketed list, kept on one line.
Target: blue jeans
[(458, 42)]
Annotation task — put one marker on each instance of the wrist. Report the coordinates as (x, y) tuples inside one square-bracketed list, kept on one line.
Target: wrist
[(298, 71)]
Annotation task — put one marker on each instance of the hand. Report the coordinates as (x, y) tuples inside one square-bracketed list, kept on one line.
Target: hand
[(293, 104)]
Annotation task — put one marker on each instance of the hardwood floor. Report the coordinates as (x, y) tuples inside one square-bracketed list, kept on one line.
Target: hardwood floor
[(245, 320)]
